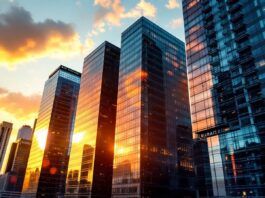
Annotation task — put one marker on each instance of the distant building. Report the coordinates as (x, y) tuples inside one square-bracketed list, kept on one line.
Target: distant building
[(153, 137), (49, 153), (91, 160), (12, 181), (25, 132), (5, 132)]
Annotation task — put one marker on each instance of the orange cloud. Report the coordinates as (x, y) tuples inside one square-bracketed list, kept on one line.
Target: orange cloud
[(172, 4), (23, 39), (19, 105), (111, 12)]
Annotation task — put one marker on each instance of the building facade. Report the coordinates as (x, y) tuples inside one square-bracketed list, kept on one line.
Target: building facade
[(5, 131), (153, 140), (11, 182), (226, 58), (49, 154), (25, 132), (91, 158)]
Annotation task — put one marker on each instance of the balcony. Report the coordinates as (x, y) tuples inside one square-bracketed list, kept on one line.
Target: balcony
[(231, 2), (255, 97), (236, 17), (223, 15), (252, 83), (246, 59), (213, 52), (215, 62), (242, 36), (204, 2), (235, 8), (208, 17), (207, 9), (244, 48), (212, 43), (249, 70), (211, 34), (239, 27), (209, 25)]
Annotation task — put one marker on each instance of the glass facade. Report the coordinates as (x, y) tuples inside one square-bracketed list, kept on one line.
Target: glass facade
[(153, 140), (226, 58), (5, 132), (91, 159), (12, 180), (49, 154)]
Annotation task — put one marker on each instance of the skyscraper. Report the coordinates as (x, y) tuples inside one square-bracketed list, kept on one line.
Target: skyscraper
[(5, 131), (226, 58), (49, 154), (25, 132), (91, 158), (153, 140), (12, 181)]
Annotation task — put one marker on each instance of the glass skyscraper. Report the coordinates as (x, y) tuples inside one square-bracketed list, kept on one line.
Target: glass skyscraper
[(49, 154), (225, 43), (12, 181), (91, 159), (153, 139)]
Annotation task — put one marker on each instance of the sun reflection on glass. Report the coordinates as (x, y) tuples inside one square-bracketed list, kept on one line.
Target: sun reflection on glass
[(41, 137)]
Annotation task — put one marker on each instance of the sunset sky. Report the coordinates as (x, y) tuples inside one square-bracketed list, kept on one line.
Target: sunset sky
[(37, 36)]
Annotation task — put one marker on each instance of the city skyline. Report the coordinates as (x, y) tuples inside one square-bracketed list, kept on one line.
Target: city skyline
[(148, 115), (85, 19)]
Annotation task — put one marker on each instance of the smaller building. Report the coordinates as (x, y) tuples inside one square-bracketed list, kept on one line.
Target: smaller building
[(12, 181), (5, 131), (25, 132)]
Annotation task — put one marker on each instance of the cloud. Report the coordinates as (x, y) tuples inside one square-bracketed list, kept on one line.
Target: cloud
[(172, 4), (103, 3), (19, 105), (23, 39), (175, 23), (111, 12), (143, 8)]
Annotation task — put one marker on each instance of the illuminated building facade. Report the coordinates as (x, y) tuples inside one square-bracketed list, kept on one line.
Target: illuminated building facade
[(49, 154), (12, 181), (5, 131), (91, 158), (226, 67), (153, 139)]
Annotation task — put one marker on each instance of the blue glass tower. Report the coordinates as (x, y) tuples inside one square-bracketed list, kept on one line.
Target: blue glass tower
[(226, 58)]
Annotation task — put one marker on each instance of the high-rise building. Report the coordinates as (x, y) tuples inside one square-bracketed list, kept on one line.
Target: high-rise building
[(49, 154), (25, 132), (91, 158), (153, 138), (225, 43), (12, 181), (5, 131)]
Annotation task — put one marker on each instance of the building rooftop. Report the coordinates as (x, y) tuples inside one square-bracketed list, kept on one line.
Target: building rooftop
[(67, 69)]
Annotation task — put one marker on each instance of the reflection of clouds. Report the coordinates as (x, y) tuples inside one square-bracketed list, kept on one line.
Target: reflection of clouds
[(132, 84), (195, 46), (41, 137)]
